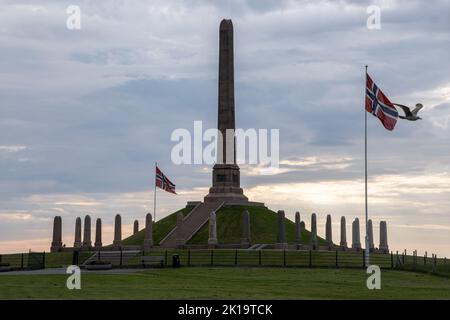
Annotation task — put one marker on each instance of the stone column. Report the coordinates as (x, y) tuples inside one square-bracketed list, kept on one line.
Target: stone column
[(87, 243), (298, 229), (246, 235), (212, 239), (226, 106), (328, 233), (226, 174), (281, 235), (370, 235), (117, 243), (98, 234), (148, 235), (57, 235), (77, 242), (343, 242), (313, 240), (180, 238), (383, 237), (356, 240), (135, 227)]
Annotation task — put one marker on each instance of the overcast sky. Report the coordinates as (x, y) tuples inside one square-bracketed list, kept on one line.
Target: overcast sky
[(84, 114)]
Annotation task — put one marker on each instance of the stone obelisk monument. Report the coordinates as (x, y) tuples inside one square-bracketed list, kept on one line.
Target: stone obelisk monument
[(226, 185), (57, 235), (226, 175)]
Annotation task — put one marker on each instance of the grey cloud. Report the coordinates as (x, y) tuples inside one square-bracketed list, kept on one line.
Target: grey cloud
[(96, 108)]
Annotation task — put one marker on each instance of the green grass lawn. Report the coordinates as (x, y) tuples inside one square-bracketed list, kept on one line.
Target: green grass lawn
[(229, 283)]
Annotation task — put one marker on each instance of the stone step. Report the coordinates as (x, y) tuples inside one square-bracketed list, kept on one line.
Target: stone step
[(191, 224)]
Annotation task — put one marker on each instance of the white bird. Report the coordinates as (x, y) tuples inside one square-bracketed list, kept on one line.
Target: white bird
[(410, 115)]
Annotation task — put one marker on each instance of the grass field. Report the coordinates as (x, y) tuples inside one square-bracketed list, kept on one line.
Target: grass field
[(229, 283)]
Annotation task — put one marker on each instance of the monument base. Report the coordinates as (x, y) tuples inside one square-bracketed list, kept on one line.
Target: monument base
[(228, 197), (231, 201), (226, 185)]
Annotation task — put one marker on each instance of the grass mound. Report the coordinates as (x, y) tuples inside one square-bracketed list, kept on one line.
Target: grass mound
[(263, 227), (160, 229)]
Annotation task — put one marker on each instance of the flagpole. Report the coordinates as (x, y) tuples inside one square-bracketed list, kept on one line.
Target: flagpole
[(154, 195), (365, 170)]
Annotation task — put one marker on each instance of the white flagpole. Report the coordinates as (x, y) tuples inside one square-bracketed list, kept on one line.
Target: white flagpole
[(154, 195), (365, 167)]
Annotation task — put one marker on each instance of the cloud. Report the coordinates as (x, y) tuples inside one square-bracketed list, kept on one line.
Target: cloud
[(439, 116), (11, 215), (85, 114), (12, 148), (429, 227)]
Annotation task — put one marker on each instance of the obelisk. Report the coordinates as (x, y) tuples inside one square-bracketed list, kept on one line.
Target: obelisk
[(343, 243), (329, 233), (136, 227), (117, 243), (383, 237), (356, 242), (212, 239), (77, 242), (298, 229), (57, 235), (313, 236), (87, 232), (246, 232), (370, 235), (226, 175), (98, 234), (281, 234), (148, 233)]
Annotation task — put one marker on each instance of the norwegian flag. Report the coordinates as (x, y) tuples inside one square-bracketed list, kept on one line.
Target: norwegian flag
[(379, 105), (163, 182)]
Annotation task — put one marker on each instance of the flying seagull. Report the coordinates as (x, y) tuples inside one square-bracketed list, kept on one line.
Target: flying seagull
[(410, 115)]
